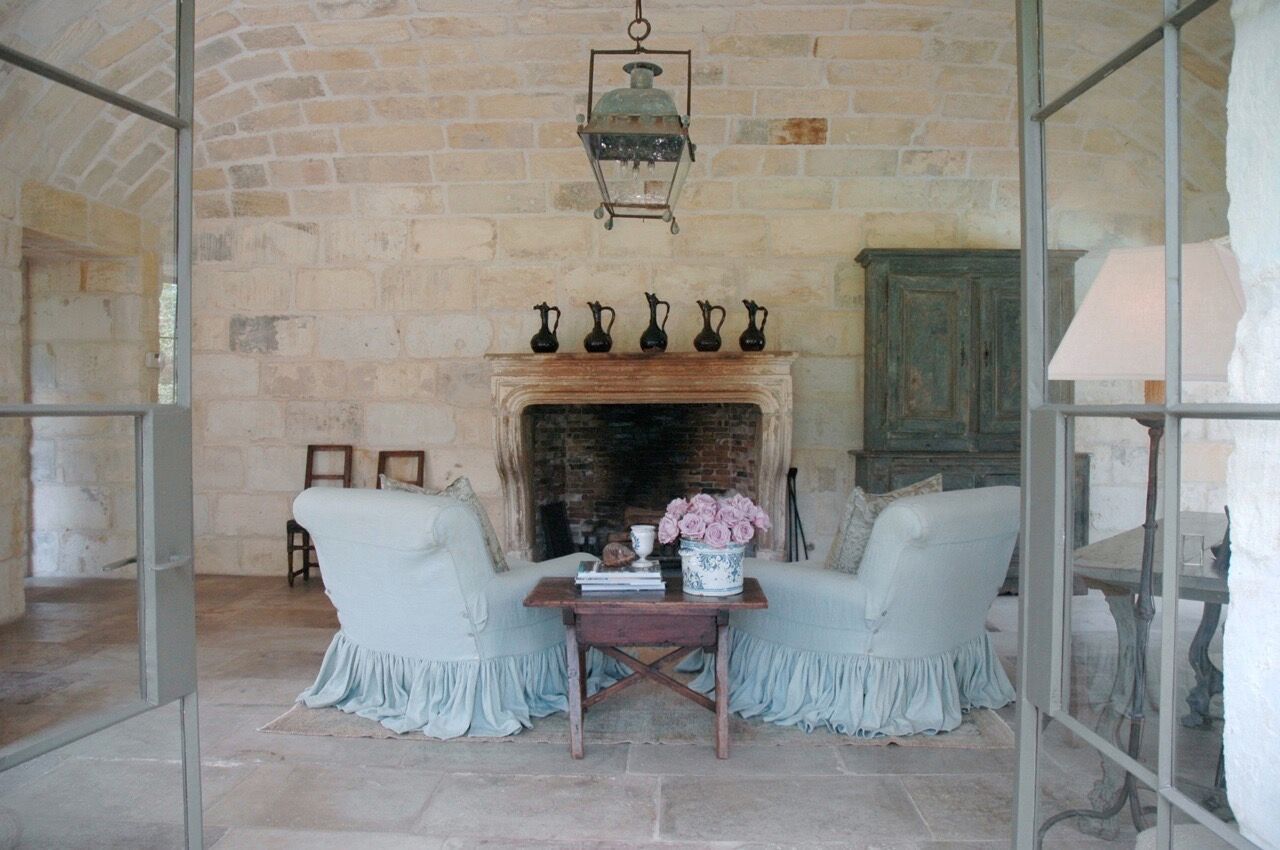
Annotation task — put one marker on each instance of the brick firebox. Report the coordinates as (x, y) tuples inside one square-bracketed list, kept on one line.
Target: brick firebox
[(616, 464)]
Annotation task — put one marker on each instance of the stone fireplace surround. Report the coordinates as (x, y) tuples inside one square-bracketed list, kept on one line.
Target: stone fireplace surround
[(522, 380)]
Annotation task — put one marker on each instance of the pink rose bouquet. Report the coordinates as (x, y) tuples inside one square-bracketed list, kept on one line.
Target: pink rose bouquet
[(715, 521)]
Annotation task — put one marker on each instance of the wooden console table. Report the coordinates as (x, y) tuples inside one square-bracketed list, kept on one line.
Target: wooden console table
[(610, 620)]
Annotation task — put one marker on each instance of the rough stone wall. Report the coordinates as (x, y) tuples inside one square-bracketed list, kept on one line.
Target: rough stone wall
[(90, 325), (87, 175), (385, 187), (385, 190), (1252, 643)]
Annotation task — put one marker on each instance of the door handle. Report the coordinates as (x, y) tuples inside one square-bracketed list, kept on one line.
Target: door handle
[(171, 564), (986, 355), (123, 562), (964, 356)]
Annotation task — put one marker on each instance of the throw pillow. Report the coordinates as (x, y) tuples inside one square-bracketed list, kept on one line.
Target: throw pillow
[(460, 490), (386, 483), (860, 517)]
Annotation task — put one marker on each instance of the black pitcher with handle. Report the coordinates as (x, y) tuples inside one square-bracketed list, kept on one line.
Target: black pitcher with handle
[(708, 339), (654, 337), (599, 341), (752, 338), (545, 341)]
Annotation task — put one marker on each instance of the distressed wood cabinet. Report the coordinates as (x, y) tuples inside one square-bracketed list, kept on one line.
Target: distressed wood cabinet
[(943, 367)]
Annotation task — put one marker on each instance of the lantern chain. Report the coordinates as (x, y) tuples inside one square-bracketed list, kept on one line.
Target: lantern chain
[(639, 28)]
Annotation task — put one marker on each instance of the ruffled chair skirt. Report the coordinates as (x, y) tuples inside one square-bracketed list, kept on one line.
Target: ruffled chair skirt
[(859, 695), (447, 699)]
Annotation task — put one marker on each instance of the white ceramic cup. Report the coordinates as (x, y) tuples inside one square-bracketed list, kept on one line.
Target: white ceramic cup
[(642, 539)]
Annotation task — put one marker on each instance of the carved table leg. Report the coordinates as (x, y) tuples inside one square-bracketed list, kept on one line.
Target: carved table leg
[(722, 687), (577, 676), (1113, 717), (1208, 676)]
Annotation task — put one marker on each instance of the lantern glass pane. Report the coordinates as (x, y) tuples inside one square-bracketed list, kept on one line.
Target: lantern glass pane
[(639, 184), (632, 147), (682, 171)]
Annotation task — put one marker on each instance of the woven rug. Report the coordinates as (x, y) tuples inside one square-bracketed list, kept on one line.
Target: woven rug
[(649, 714)]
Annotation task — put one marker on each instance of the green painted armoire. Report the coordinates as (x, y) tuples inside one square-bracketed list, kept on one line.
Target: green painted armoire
[(943, 367)]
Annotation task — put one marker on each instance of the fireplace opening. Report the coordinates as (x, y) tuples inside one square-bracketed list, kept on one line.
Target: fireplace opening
[(615, 465)]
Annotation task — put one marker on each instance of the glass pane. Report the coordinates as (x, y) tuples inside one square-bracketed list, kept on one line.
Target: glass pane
[(87, 247), (127, 47), (69, 639), (1081, 35), (1213, 299), (91, 793), (1111, 685), (1073, 780), (1105, 200), (1220, 469)]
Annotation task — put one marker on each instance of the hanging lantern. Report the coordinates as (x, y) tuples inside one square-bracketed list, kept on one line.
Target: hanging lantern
[(636, 138)]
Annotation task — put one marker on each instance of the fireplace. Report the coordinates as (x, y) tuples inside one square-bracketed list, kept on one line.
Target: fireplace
[(747, 398), (612, 465)]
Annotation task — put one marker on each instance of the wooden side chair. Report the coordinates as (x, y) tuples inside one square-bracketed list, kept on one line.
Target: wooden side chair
[(419, 459), (297, 539)]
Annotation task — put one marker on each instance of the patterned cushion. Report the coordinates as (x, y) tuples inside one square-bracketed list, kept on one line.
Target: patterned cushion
[(460, 489), (860, 517)]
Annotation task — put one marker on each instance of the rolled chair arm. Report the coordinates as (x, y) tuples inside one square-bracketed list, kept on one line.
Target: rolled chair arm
[(390, 519)]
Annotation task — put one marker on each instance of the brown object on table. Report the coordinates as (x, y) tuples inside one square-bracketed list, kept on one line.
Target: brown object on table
[(609, 620), (617, 555), (297, 538)]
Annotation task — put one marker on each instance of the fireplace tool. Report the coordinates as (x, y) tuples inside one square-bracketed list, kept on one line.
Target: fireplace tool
[(797, 545)]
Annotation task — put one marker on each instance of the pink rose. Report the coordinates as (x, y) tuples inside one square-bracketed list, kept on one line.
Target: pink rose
[(692, 526), (718, 535), (729, 515), (668, 530), (743, 531), (677, 508), (707, 512), (760, 519), (702, 500)]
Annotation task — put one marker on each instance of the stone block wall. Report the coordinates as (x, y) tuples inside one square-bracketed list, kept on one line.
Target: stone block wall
[(90, 325), (384, 188)]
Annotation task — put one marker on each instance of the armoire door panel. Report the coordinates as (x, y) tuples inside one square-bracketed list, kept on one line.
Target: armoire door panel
[(1000, 372), (928, 363)]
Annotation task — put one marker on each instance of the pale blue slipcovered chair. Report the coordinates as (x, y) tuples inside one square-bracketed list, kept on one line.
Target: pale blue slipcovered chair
[(431, 638), (900, 648)]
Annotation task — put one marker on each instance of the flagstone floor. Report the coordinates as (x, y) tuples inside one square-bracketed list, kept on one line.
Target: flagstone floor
[(260, 642)]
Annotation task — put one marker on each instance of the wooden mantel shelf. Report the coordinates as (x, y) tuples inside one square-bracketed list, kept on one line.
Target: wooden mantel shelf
[(762, 379)]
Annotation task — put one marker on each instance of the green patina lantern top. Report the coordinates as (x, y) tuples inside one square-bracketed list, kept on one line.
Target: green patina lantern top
[(641, 98)]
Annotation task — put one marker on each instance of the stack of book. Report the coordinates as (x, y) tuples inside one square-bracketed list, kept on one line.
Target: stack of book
[(596, 577)]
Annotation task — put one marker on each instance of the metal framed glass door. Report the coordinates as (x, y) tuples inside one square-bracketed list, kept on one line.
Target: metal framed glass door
[(1119, 670), (111, 169)]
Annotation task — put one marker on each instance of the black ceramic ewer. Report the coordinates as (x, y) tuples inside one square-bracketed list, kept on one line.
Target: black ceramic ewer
[(654, 337), (708, 339), (599, 341), (752, 338), (545, 341)]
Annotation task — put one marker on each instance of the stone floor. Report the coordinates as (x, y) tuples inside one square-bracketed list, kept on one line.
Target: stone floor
[(260, 643)]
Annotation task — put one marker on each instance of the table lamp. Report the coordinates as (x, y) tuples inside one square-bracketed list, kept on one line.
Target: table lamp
[(1118, 334)]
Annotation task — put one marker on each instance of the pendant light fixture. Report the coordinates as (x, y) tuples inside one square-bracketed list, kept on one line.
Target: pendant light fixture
[(636, 138)]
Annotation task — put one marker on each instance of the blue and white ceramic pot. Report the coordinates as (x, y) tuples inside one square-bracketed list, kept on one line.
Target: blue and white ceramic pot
[(709, 571)]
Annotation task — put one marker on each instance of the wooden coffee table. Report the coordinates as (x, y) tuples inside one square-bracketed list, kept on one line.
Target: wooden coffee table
[(610, 620)]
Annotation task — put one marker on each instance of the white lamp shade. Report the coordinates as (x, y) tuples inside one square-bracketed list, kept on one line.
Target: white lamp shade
[(1118, 332)]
